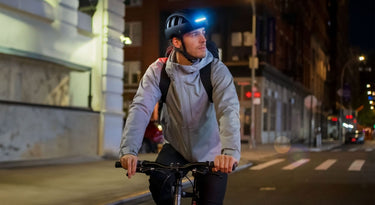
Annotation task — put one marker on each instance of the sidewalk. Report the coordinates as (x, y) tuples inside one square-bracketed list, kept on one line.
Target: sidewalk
[(95, 181)]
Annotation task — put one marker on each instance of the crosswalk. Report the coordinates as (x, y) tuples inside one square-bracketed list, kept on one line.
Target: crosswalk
[(353, 149), (354, 166)]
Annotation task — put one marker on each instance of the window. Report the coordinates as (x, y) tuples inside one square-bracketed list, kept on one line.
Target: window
[(133, 3), (133, 31), (285, 118), (132, 72), (88, 6), (41, 82), (265, 114), (273, 116)]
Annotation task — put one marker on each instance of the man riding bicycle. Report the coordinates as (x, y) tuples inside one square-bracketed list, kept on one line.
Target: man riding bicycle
[(195, 129)]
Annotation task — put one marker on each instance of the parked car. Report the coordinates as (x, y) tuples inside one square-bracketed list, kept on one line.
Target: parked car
[(356, 137)]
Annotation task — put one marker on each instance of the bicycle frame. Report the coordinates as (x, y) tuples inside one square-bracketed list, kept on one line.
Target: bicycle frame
[(179, 171)]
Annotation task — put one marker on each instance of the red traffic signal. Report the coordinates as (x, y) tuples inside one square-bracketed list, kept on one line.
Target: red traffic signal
[(248, 94)]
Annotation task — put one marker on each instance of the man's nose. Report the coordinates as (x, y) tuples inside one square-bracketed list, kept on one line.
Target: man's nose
[(202, 37)]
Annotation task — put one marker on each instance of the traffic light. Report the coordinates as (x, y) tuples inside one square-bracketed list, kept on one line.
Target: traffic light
[(248, 94)]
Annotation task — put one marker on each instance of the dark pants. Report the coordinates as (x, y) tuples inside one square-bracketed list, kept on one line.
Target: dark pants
[(211, 187)]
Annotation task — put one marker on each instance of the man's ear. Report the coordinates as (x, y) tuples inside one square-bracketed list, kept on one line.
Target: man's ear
[(176, 42)]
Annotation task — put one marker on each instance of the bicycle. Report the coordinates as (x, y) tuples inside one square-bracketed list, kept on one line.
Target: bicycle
[(180, 171)]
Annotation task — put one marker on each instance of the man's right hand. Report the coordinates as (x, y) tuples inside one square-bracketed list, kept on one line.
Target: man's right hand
[(129, 162)]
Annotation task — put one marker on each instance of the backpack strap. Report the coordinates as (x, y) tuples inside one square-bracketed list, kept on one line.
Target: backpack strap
[(205, 75), (164, 82)]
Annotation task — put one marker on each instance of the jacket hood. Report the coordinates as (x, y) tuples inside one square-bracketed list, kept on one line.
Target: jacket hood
[(186, 69)]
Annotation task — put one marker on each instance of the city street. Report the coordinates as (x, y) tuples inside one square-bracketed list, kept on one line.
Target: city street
[(344, 175)]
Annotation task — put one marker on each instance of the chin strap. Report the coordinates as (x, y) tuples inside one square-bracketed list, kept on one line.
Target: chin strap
[(185, 54)]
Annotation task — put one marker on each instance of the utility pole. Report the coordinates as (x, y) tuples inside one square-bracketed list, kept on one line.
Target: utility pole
[(253, 64)]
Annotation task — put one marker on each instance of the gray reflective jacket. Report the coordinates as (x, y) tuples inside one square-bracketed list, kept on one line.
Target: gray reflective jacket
[(190, 123)]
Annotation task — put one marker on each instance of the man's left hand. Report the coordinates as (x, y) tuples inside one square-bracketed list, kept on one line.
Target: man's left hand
[(224, 163)]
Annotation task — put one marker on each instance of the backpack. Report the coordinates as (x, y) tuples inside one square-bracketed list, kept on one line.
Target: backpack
[(205, 75)]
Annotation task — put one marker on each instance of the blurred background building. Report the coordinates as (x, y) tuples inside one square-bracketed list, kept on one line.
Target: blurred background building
[(291, 40)]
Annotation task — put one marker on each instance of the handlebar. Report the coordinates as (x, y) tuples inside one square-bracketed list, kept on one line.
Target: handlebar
[(144, 166)]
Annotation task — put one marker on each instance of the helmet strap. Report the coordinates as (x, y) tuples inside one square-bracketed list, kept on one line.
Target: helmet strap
[(185, 54)]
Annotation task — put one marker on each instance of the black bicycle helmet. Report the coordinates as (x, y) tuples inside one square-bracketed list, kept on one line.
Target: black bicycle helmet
[(182, 22), (179, 23)]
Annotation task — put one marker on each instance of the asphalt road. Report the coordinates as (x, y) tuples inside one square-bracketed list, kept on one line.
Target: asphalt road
[(345, 176)]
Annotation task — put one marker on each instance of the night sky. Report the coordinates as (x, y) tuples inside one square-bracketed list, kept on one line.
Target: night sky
[(362, 24)]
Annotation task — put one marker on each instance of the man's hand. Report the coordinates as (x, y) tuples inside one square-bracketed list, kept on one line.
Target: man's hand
[(224, 163), (129, 162)]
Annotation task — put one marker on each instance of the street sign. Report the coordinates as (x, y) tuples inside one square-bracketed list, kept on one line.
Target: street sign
[(253, 62), (310, 101)]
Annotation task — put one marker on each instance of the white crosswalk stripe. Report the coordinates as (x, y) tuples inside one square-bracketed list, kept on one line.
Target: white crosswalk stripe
[(266, 164), (354, 149), (356, 165), (326, 164), (296, 164)]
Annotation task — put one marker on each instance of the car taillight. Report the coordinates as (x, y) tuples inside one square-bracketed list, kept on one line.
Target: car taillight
[(354, 139)]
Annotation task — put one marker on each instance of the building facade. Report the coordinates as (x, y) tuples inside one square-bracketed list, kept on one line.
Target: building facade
[(61, 79)]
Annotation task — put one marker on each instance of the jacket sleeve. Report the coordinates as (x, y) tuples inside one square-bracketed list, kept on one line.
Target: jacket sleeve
[(140, 110), (227, 106)]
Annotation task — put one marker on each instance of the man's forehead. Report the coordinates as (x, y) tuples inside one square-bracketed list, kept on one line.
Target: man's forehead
[(197, 30)]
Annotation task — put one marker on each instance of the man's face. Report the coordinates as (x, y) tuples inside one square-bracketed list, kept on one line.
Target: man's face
[(195, 43)]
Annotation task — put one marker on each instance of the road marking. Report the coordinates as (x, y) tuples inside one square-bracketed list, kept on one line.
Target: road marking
[(368, 150), (336, 150), (267, 188), (353, 149), (356, 165), (296, 164), (326, 164), (266, 164)]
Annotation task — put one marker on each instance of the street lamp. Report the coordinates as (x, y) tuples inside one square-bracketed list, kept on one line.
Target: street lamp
[(349, 63)]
